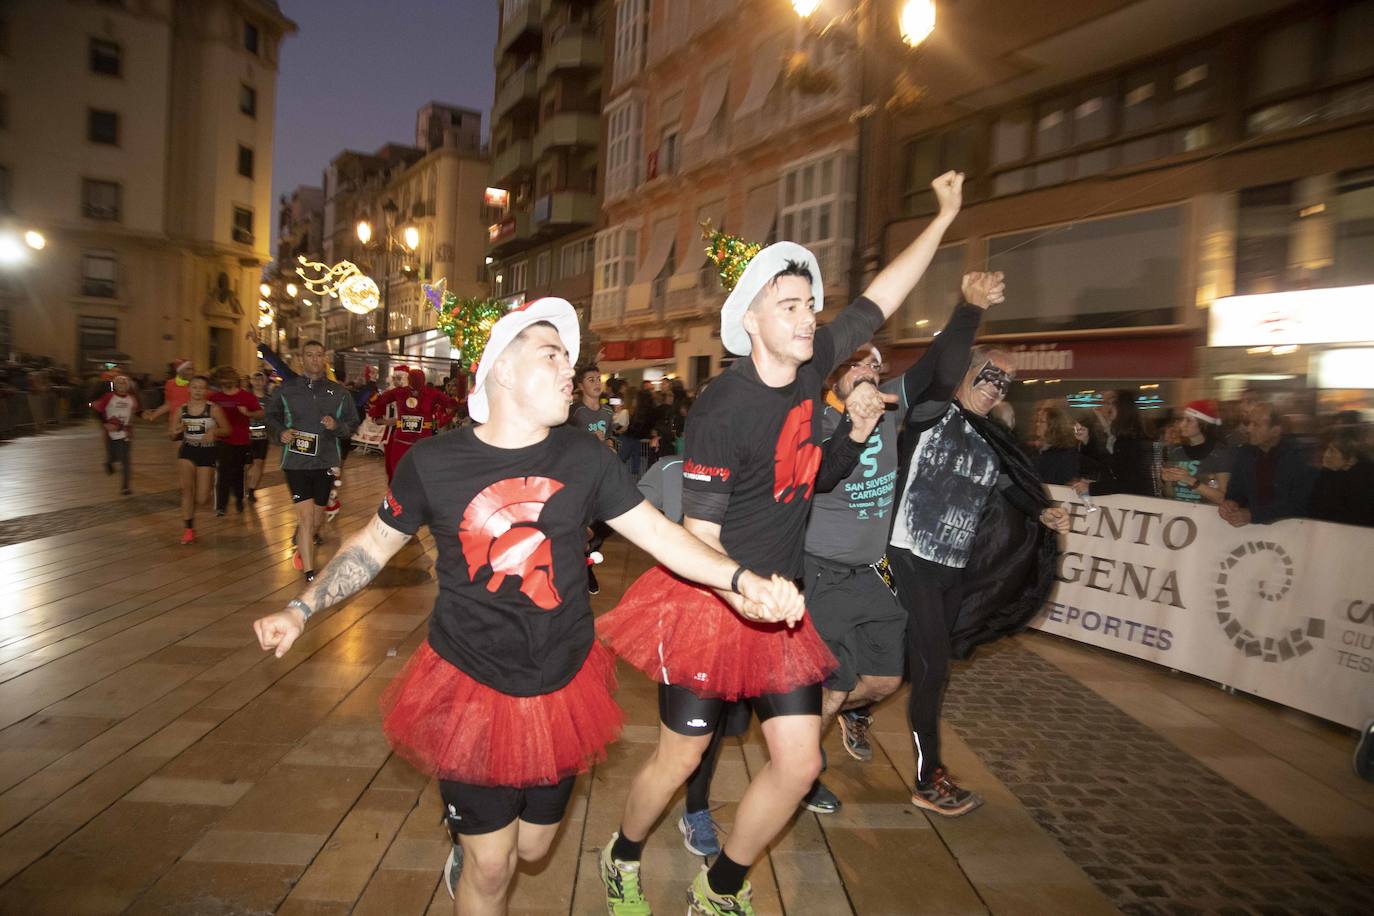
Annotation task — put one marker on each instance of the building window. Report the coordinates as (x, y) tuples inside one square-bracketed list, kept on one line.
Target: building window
[(576, 258), (926, 307), (930, 156), (245, 161), (631, 35), (105, 57), (625, 144), (98, 274), (250, 38), (101, 200), (1117, 271), (669, 150), (243, 226), (616, 250), (516, 280), (541, 268), (95, 336), (248, 100), (817, 210), (102, 126)]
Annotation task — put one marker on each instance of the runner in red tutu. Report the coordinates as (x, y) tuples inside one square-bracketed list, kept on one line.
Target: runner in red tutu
[(510, 697), (753, 449)]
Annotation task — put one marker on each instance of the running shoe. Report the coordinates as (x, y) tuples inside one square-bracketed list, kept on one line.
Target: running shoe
[(623, 895), (854, 725), (821, 800), (699, 833), (702, 901), (252, 497), (1364, 752), (593, 586), (296, 561), (219, 513), (453, 868), (944, 796), (188, 536)]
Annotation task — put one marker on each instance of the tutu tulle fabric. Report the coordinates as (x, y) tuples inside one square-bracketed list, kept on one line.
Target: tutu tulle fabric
[(453, 727), (681, 634)]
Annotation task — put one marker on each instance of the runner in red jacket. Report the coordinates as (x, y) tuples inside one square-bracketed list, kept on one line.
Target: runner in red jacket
[(420, 410)]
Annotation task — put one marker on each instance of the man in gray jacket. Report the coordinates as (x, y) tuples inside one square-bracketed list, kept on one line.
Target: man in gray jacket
[(311, 416)]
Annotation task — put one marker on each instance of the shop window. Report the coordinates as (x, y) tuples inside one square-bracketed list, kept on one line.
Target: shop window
[(1119, 271), (930, 302)]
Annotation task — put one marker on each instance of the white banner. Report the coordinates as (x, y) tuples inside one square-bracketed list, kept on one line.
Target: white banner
[(1283, 611)]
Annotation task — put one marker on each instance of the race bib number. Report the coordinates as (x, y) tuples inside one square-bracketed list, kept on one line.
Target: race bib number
[(412, 423), (884, 571), (195, 428), (305, 443)]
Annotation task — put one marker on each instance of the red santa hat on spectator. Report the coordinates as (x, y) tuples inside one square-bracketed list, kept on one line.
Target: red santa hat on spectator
[(1203, 411)]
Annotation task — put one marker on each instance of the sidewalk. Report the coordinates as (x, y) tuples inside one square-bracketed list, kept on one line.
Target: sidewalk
[(153, 760)]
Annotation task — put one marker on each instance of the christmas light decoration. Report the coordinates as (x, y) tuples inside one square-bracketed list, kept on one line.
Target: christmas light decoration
[(344, 281), (466, 321)]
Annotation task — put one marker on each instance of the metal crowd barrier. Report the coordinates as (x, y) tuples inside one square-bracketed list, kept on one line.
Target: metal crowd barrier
[(24, 413)]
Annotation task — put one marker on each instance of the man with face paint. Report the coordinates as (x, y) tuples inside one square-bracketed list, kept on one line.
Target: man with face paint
[(970, 549)]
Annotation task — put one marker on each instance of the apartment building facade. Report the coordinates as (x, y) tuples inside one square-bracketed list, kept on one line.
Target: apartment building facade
[(137, 136), (1128, 168)]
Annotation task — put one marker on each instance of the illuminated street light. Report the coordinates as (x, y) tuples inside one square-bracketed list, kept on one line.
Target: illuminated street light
[(11, 251), (805, 8), (411, 236), (364, 230), (265, 290), (35, 240), (291, 290), (917, 21)]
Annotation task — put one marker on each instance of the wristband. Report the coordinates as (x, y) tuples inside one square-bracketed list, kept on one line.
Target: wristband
[(301, 606), (734, 580)]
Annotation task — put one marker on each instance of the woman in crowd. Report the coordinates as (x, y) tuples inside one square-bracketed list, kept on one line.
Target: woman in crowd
[(1125, 463), (1057, 460), (196, 424), (1198, 468), (1345, 487), (639, 428), (257, 433)]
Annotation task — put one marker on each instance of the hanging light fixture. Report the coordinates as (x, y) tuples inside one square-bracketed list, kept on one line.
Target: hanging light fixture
[(805, 8)]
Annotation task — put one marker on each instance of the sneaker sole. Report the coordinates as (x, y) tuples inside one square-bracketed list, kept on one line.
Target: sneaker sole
[(924, 805), (820, 809), (682, 829)]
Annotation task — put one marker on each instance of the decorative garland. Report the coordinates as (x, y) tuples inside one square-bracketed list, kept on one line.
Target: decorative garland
[(730, 253), (467, 321)]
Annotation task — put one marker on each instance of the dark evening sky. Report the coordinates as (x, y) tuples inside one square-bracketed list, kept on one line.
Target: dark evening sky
[(357, 70)]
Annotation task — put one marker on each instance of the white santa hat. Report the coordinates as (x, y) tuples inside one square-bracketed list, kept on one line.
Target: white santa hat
[(761, 270), (557, 312)]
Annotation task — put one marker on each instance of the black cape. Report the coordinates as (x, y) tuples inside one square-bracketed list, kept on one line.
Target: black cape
[(1014, 559)]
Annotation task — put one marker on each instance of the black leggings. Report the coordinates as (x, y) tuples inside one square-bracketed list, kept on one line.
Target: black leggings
[(931, 593), (117, 452), (734, 721), (232, 461)]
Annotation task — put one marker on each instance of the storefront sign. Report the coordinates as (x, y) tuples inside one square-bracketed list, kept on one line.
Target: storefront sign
[(1310, 316), (497, 232), (1161, 356), (1283, 611), (648, 348), (498, 198), (1345, 368)]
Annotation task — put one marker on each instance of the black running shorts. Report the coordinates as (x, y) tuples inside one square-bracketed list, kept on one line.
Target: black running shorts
[(202, 456), (258, 449), (860, 619), (470, 809), (688, 714), (313, 484)]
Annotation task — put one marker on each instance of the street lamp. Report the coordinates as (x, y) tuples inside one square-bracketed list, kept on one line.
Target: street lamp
[(265, 290), (291, 290), (405, 238), (805, 8), (917, 21), (35, 240)]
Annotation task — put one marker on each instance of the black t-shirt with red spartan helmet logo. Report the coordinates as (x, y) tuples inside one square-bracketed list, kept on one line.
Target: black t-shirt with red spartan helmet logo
[(509, 526), (761, 447)]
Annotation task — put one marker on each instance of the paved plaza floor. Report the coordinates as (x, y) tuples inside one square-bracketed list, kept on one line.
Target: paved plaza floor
[(154, 760)]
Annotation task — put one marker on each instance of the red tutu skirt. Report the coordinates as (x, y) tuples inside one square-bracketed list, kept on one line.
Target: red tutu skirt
[(682, 634), (455, 728)]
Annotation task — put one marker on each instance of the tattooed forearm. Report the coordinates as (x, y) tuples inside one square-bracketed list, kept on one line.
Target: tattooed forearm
[(347, 574)]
